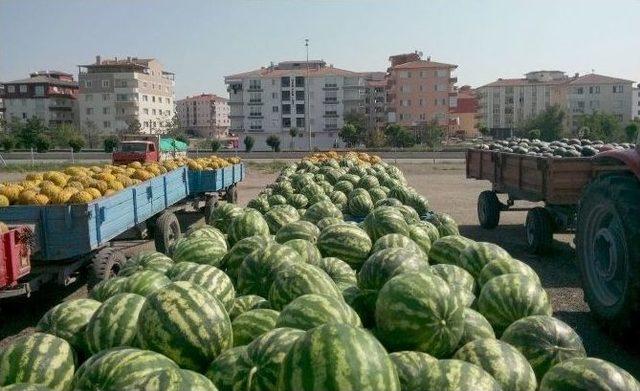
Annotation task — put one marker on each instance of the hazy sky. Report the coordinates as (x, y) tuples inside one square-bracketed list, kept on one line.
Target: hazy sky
[(202, 41)]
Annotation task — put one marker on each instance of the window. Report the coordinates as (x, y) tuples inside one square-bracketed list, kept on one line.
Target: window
[(145, 98), (286, 109), (167, 112), (285, 82), (274, 109), (105, 84), (286, 122), (440, 87), (39, 91), (286, 95), (405, 88), (11, 89), (300, 109), (255, 125), (274, 95), (423, 73), (88, 83), (405, 74), (121, 83), (106, 124), (24, 115), (579, 90), (168, 100), (300, 122), (299, 81), (145, 111), (254, 85), (299, 95), (421, 102), (153, 99), (255, 111), (89, 110), (618, 89), (435, 102), (23, 88), (255, 97), (441, 73), (106, 110), (121, 97), (443, 101), (88, 98), (106, 97), (153, 111)]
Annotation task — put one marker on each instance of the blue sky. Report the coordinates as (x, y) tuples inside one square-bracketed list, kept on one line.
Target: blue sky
[(202, 41)]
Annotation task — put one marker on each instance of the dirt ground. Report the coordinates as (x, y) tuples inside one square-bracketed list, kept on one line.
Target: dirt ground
[(449, 191)]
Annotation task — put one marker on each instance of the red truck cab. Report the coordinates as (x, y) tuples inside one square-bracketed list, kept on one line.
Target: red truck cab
[(142, 151)]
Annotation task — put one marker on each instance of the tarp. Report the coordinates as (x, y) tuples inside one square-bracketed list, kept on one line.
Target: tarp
[(169, 144)]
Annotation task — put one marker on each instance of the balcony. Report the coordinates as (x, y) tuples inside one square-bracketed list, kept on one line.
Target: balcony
[(240, 115), (255, 89), (330, 87), (235, 102), (331, 127), (255, 116), (330, 115), (255, 102), (330, 101), (60, 107)]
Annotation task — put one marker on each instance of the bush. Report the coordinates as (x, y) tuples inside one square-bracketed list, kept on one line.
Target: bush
[(534, 133), (274, 142), (8, 143), (110, 143), (76, 143), (42, 143), (248, 143), (215, 145)]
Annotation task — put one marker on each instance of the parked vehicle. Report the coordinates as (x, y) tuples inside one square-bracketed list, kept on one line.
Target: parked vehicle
[(147, 148)]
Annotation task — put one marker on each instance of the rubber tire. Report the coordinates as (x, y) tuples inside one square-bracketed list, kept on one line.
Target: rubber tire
[(488, 209), (166, 232), (619, 195), (210, 204), (231, 195), (105, 264), (539, 230)]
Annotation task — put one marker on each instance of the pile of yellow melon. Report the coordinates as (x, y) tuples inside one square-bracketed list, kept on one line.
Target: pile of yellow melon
[(362, 157)]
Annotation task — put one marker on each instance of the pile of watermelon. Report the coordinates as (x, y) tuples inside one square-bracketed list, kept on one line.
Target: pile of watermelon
[(338, 276), (555, 149)]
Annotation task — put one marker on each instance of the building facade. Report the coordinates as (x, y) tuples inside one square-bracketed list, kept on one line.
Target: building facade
[(375, 101), (204, 115), (420, 91), (115, 93), (465, 114), (47, 95), (311, 97), (635, 109)]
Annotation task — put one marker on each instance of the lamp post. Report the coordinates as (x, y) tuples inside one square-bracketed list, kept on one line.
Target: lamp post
[(306, 100)]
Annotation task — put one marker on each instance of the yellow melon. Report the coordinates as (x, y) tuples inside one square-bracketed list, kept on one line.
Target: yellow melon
[(12, 192), (40, 199), (71, 190), (115, 185), (81, 197), (95, 169), (77, 184), (60, 197), (101, 185), (142, 175), (135, 165), (34, 176), (104, 176), (109, 192), (95, 193), (50, 190), (3, 228), (4, 201)]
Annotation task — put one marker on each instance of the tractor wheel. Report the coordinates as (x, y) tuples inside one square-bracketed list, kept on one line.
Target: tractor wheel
[(105, 264), (167, 232), (231, 195), (209, 205), (608, 249), (539, 230), (489, 209)]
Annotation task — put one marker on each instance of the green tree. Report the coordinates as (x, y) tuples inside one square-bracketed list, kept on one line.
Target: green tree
[(273, 141), (631, 131), (432, 134), (293, 132), (398, 136), (8, 142), (215, 145), (111, 143), (376, 139), (62, 134), (28, 133), (351, 135), (174, 127), (358, 120), (42, 143), (133, 126), (601, 126), (91, 134), (484, 130), (534, 133), (550, 122), (77, 143), (248, 143)]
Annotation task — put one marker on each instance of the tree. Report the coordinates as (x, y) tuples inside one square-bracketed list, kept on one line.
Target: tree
[(76, 143), (274, 142), (534, 133), (293, 132), (631, 131), (28, 133), (432, 134), (174, 126), (550, 122), (484, 130), (215, 145), (91, 134), (183, 138), (358, 120), (601, 126), (376, 139), (42, 143), (398, 136), (248, 143), (133, 126), (62, 134), (110, 143), (8, 142)]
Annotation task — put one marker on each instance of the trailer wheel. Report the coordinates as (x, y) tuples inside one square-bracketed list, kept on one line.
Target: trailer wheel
[(489, 209), (231, 195), (539, 230), (210, 204), (105, 264), (167, 232), (608, 249)]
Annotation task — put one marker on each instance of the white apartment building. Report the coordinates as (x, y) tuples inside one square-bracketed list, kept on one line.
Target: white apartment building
[(204, 115), (597, 93), (115, 93), (275, 99), (635, 106)]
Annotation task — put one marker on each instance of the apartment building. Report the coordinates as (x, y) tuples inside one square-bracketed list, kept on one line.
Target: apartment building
[(419, 90), (2, 109), (47, 95), (465, 114), (635, 109), (204, 115), (310, 96), (115, 93), (375, 100), (598, 93)]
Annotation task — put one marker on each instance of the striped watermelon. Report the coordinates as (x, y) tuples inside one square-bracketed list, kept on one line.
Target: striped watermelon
[(587, 373), (166, 325), (418, 203), (278, 217), (544, 341), (368, 182), (377, 194), (308, 311), (359, 203), (252, 324), (445, 224), (260, 204), (387, 263), (352, 178), (222, 215), (401, 193), (416, 311), (258, 269), (346, 242), (338, 198), (179, 268), (107, 288), (502, 361), (276, 199), (306, 249), (503, 266), (145, 282), (249, 223), (363, 302), (326, 186), (206, 231), (298, 230), (421, 236), (410, 215), (385, 220), (224, 369), (119, 368), (319, 197), (476, 326), (242, 304), (233, 259), (474, 258), (298, 201), (115, 323), (317, 362), (38, 359), (202, 250), (311, 191), (320, 210), (509, 297), (68, 321), (448, 249), (327, 221), (283, 188), (173, 380), (343, 186), (431, 229), (411, 367), (26, 387), (388, 202), (397, 241), (455, 276), (152, 260), (211, 279), (340, 272), (298, 279), (457, 375)]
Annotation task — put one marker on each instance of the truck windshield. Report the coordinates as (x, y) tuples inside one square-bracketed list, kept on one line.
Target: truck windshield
[(133, 147)]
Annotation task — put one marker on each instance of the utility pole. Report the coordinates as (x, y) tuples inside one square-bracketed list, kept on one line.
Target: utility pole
[(306, 100)]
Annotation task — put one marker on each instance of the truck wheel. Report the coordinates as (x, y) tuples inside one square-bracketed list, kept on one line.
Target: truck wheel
[(488, 209), (105, 264), (608, 249), (209, 205), (539, 230), (167, 232), (231, 195)]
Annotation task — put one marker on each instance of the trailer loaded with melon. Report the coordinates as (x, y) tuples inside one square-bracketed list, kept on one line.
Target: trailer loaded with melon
[(590, 188)]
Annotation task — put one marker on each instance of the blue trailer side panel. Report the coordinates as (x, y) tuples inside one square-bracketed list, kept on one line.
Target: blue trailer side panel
[(215, 180)]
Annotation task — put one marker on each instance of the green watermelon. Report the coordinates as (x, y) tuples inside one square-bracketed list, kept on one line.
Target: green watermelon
[(260, 204), (417, 311), (206, 231), (307, 250), (544, 341), (115, 323), (179, 268), (276, 199), (368, 182), (211, 279), (145, 282), (346, 242), (476, 326), (503, 266), (68, 320), (202, 250), (152, 260), (343, 186), (317, 362), (107, 288), (233, 259), (37, 359), (431, 229), (298, 279), (460, 281), (397, 241), (448, 249), (401, 193), (359, 203), (251, 324), (308, 311), (327, 221), (298, 201), (242, 304), (166, 325), (502, 361), (298, 230), (258, 269), (410, 215), (377, 194), (411, 367), (587, 373), (388, 202), (385, 220), (363, 301), (311, 191), (509, 297), (418, 203), (320, 210), (169, 379), (249, 223), (278, 217), (282, 188), (387, 263), (338, 198), (26, 387), (222, 215), (474, 258), (456, 375), (340, 272), (224, 369), (445, 224)]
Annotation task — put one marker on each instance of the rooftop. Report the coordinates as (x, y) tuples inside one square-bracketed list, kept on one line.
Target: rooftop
[(44, 79), (204, 96), (524, 82), (418, 64), (593, 78), (317, 68)]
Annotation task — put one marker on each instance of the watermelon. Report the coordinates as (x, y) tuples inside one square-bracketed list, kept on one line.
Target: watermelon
[(68, 320), (587, 373), (418, 203), (387, 263), (327, 221), (340, 272), (222, 215), (346, 242), (152, 260), (206, 231), (179, 268), (276, 199), (298, 279), (249, 223), (338, 198), (368, 182), (474, 258), (401, 193), (456, 375), (448, 249), (107, 288), (242, 304), (145, 282), (311, 191), (278, 217), (352, 178), (317, 362), (251, 324), (166, 325), (233, 259), (114, 323), (25, 387), (421, 236), (476, 326), (445, 224), (224, 369), (363, 302), (320, 210), (431, 229), (281, 188), (170, 379), (377, 194), (298, 201), (460, 281), (326, 186), (503, 266), (307, 250), (211, 279), (509, 297), (202, 250), (260, 204), (385, 220), (502, 361), (410, 215), (343, 186), (411, 367), (256, 272), (258, 369), (359, 203), (417, 311), (38, 358), (298, 230), (388, 202), (544, 341), (397, 241), (308, 311)]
